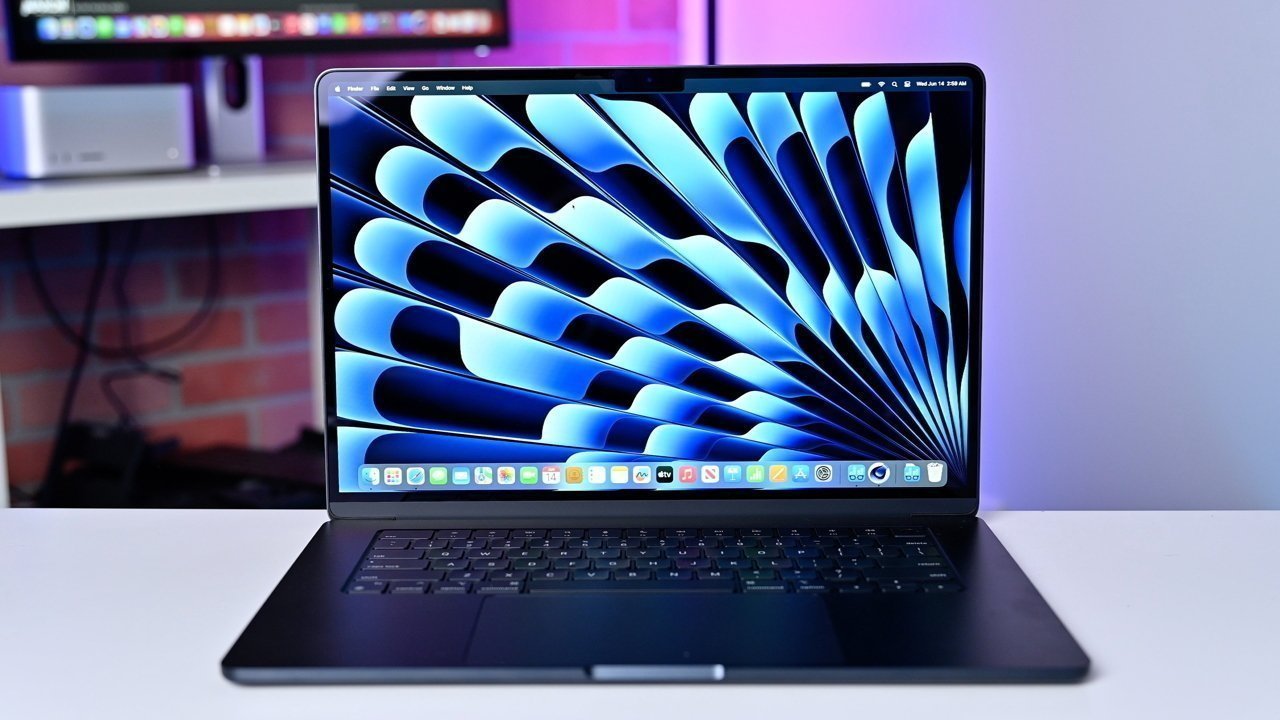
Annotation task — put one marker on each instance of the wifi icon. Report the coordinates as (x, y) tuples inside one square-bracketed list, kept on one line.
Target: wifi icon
[(881, 83)]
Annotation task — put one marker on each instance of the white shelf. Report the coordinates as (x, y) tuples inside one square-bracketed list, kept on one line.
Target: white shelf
[(205, 191)]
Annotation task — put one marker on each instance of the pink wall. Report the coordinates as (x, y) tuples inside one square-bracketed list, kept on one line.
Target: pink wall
[(1130, 331)]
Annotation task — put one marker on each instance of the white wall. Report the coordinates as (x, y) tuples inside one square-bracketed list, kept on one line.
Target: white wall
[(1133, 258)]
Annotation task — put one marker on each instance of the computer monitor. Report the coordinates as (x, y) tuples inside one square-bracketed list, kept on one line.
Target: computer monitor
[(72, 30), (230, 34)]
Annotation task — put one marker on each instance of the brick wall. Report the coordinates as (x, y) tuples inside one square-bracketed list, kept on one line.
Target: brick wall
[(246, 375)]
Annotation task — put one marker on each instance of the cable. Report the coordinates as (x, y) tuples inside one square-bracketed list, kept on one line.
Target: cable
[(139, 365), (83, 352), (108, 352)]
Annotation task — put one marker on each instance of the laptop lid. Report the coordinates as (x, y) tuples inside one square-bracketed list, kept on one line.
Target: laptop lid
[(635, 294)]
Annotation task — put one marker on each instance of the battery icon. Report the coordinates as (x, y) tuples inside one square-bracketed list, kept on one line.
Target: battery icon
[(866, 83)]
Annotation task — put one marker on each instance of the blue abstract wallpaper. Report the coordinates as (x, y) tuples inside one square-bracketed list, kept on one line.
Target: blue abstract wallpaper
[(623, 278)]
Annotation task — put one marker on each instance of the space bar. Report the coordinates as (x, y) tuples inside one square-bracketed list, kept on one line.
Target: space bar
[(633, 586)]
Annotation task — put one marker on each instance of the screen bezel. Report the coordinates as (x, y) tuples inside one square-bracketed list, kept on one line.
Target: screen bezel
[(25, 47), (474, 505)]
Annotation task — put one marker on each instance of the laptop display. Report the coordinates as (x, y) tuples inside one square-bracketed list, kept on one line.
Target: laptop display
[(749, 285)]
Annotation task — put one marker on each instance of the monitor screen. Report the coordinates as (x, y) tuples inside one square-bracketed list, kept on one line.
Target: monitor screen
[(747, 286), (110, 29)]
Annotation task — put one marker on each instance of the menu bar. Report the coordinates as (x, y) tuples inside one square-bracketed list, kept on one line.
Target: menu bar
[(391, 86)]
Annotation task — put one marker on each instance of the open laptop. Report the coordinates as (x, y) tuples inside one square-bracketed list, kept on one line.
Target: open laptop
[(653, 374)]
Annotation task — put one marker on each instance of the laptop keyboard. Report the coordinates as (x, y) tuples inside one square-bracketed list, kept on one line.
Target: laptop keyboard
[(799, 560)]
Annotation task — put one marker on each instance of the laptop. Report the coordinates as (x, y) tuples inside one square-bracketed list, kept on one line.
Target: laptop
[(652, 375)]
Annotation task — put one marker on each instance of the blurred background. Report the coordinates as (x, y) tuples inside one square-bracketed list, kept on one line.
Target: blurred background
[(1130, 330)]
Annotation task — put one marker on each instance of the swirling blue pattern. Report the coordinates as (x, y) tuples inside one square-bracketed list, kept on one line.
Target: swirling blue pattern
[(710, 277)]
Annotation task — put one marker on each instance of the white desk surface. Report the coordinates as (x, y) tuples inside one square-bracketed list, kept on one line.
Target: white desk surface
[(126, 613)]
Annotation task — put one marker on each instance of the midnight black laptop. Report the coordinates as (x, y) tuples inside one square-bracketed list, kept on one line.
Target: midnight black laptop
[(656, 374)]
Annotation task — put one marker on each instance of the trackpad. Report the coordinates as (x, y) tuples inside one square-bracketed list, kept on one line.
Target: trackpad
[(584, 630)]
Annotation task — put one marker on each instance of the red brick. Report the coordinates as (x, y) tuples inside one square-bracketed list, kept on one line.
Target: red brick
[(39, 348), (282, 321), (557, 16), (69, 288), (41, 400), (262, 375), (278, 424), (28, 462), (284, 227), (248, 275), (223, 329), (627, 53), (290, 115), (654, 14), (230, 428)]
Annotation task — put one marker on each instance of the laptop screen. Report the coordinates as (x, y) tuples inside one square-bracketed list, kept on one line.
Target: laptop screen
[(549, 286)]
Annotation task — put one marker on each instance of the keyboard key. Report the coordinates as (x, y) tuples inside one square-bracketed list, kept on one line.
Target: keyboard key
[(452, 588), (404, 534), (681, 575), (757, 575), (498, 588), (907, 574), (395, 565), (549, 576), (811, 586), (855, 588), (409, 588), (508, 575), (395, 554), (632, 575), (489, 534), (899, 587), (453, 534), (764, 586), (579, 575), (459, 575), (444, 554), (393, 575), (947, 587), (367, 588), (391, 544), (571, 564), (652, 586)]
